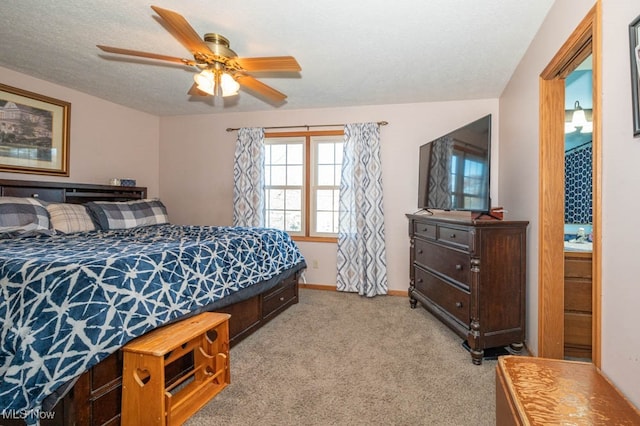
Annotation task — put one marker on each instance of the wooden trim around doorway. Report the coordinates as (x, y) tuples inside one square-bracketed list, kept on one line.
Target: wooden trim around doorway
[(584, 41)]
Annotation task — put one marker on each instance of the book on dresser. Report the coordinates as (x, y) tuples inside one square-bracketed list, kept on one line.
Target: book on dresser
[(471, 275)]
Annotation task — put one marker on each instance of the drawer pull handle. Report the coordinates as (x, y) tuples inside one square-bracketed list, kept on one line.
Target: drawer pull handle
[(458, 305), (35, 195), (419, 251), (419, 280), (282, 298), (452, 236), (458, 267), (425, 229)]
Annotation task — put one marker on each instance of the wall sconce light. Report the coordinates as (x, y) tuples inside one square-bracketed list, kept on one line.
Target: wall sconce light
[(578, 121)]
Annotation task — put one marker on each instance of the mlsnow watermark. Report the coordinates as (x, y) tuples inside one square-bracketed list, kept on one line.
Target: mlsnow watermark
[(23, 414)]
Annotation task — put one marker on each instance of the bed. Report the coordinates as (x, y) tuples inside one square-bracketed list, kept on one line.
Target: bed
[(70, 299)]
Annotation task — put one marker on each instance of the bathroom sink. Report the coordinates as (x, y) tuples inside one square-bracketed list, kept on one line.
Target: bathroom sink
[(578, 246)]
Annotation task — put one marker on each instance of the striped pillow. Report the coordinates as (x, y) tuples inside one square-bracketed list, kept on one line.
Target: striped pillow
[(70, 218)]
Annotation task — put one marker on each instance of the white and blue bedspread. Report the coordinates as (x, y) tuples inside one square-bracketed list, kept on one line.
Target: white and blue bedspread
[(67, 302)]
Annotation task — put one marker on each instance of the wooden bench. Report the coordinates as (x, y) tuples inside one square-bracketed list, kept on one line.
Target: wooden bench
[(146, 397), (540, 391)]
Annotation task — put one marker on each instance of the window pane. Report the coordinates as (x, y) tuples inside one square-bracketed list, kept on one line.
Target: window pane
[(293, 221), (294, 154), (276, 199), (324, 200), (278, 175), (324, 222), (295, 175), (339, 151), (336, 199), (326, 175), (276, 219), (267, 154), (279, 154), (267, 175), (294, 199), (326, 153)]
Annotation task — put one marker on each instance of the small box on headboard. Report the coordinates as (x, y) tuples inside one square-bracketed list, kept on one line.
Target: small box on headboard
[(127, 182)]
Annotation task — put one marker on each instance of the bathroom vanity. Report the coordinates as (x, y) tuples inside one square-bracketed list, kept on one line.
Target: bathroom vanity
[(577, 304)]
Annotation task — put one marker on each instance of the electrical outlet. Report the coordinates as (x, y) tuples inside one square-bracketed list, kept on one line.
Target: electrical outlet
[(314, 263)]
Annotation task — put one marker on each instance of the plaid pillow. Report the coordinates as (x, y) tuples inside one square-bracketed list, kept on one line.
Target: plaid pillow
[(22, 215), (70, 218), (128, 214)]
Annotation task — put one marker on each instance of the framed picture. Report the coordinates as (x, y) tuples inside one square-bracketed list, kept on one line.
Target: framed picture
[(634, 43), (34, 133)]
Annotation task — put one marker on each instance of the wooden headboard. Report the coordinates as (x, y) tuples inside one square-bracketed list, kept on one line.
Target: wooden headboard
[(64, 192)]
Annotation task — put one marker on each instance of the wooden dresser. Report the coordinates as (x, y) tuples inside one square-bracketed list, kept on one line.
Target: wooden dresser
[(471, 275)]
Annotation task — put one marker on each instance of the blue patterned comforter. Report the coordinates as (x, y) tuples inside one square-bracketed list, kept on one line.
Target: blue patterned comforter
[(67, 302)]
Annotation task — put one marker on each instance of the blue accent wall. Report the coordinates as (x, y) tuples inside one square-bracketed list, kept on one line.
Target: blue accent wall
[(578, 185)]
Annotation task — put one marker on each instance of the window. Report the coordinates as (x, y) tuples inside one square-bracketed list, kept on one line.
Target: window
[(302, 183)]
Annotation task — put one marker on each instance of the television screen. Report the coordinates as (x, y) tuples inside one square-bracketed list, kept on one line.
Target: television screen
[(454, 169)]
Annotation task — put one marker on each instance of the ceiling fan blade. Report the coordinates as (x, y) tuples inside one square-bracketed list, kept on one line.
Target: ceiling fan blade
[(260, 88), (146, 55), (182, 31), (271, 63)]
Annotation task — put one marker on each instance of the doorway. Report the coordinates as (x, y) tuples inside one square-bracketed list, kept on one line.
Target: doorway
[(583, 42)]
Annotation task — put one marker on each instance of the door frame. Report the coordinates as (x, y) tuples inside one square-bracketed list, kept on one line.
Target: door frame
[(584, 41)]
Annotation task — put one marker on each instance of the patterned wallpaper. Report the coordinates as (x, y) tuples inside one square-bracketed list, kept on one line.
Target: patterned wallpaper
[(577, 183)]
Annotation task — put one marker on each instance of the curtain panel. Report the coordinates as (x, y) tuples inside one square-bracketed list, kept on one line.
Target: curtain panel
[(248, 176), (361, 258)]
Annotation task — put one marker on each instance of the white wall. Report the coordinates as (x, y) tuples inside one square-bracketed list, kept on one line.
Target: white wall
[(106, 140), (621, 179), (518, 186), (196, 159)]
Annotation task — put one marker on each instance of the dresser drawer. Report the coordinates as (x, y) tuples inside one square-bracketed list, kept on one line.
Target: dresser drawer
[(456, 236), (454, 264), (53, 194), (450, 298), (424, 230), (280, 296)]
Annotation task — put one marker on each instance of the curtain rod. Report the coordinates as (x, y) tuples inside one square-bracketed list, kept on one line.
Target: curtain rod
[(230, 129)]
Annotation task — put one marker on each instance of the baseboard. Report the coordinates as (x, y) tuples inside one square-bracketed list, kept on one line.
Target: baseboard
[(332, 287)]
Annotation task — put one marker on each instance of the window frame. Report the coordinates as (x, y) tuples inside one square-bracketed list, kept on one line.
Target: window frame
[(309, 169)]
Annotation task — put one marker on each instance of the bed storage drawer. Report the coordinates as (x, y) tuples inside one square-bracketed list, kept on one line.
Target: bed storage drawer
[(281, 296)]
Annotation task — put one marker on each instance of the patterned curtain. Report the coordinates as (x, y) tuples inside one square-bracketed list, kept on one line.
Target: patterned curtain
[(362, 265), (440, 167), (248, 176)]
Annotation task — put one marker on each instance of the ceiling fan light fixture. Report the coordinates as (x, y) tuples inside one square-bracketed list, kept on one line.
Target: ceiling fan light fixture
[(216, 83), (205, 83), (229, 86)]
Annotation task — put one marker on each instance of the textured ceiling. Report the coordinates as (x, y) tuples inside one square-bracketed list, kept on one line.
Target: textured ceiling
[(351, 52)]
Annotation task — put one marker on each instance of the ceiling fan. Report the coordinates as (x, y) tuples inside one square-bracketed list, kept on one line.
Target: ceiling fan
[(222, 72)]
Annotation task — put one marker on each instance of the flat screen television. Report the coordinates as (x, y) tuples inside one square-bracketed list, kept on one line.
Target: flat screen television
[(454, 169)]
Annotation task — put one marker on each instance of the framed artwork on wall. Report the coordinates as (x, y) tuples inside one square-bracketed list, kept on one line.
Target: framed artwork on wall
[(634, 44), (34, 133)]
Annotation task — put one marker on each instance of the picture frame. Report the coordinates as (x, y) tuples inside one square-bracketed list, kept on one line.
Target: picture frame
[(634, 45), (34, 133)]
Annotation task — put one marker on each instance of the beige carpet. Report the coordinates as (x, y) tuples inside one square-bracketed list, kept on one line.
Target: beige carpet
[(342, 359)]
